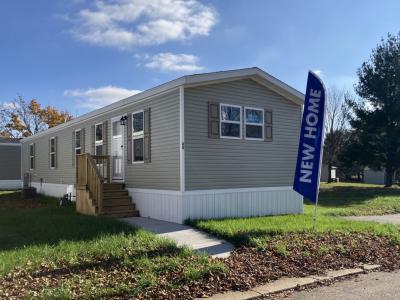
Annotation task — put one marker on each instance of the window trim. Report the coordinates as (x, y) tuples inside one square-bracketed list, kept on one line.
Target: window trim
[(262, 124), (136, 137), (31, 156), (98, 143), (80, 147), (231, 122), (54, 152)]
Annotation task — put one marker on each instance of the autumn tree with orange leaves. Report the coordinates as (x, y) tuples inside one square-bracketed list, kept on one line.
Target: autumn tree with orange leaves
[(22, 118)]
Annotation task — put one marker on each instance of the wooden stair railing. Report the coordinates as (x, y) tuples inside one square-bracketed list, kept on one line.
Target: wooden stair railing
[(92, 171)]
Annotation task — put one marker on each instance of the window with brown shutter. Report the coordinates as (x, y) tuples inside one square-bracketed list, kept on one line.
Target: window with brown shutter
[(268, 125), (147, 136), (105, 138), (32, 151), (213, 120), (129, 138)]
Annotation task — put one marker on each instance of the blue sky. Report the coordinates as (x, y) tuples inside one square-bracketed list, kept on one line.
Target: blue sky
[(81, 54)]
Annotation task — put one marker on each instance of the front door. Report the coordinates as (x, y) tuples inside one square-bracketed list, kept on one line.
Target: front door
[(117, 149)]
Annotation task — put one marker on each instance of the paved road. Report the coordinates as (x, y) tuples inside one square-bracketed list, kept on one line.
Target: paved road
[(392, 219), (375, 285)]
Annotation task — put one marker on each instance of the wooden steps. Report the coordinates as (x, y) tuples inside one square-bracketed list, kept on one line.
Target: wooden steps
[(117, 202)]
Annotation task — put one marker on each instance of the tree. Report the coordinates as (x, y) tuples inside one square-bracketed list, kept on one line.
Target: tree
[(21, 118), (376, 117), (335, 125)]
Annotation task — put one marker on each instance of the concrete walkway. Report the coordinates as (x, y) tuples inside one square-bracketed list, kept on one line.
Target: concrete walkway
[(185, 235), (391, 219)]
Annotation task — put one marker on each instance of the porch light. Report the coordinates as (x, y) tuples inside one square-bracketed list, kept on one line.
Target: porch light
[(123, 120)]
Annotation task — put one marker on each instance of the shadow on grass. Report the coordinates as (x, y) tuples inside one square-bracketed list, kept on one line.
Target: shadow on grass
[(342, 196), (26, 222)]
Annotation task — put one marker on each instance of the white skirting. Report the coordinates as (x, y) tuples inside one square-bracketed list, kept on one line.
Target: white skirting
[(10, 184), (175, 206), (54, 189)]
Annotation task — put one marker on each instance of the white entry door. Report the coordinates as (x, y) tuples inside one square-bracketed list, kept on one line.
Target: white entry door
[(117, 149)]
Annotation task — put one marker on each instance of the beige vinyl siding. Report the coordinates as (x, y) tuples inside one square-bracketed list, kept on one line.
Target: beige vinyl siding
[(10, 162), (232, 163), (161, 173)]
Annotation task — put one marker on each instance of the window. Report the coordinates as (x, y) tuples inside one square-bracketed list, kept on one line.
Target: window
[(137, 136), (31, 156), (231, 121), (52, 152), (99, 139), (78, 141), (254, 123)]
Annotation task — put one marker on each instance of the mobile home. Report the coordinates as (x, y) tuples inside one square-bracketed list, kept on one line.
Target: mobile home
[(210, 145), (10, 163)]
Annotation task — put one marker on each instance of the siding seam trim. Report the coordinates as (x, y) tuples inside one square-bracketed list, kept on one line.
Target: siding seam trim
[(182, 137), (212, 191)]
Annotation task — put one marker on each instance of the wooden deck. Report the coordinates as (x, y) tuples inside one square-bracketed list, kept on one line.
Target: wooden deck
[(95, 193)]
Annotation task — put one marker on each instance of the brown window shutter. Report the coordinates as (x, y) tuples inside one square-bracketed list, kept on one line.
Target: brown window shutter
[(83, 141), (129, 138), (105, 138), (147, 136), (49, 140), (268, 125), (93, 140), (34, 156), (56, 152), (73, 148), (213, 120)]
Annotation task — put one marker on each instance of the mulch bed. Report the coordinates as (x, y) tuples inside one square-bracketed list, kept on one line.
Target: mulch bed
[(293, 255)]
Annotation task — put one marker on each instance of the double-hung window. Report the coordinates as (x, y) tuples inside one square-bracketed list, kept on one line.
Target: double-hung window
[(52, 152), (98, 139), (231, 121), (78, 141), (31, 156), (254, 123), (137, 136)]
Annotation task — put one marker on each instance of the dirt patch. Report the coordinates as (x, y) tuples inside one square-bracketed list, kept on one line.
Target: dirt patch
[(14, 200), (294, 255)]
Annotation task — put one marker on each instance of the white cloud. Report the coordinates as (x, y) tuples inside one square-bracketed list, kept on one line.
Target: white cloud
[(94, 98), (8, 105), (318, 72), (125, 23), (173, 62)]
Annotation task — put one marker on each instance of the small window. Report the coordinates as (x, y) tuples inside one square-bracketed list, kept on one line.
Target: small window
[(116, 129), (254, 123), (99, 139), (31, 156), (52, 152), (78, 142), (231, 121), (137, 136)]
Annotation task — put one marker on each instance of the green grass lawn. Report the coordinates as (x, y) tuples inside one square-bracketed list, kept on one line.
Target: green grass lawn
[(338, 199), (38, 234), (355, 199)]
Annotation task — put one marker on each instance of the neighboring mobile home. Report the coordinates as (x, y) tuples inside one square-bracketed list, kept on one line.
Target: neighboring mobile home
[(10, 163), (376, 176), (211, 145), (325, 173)]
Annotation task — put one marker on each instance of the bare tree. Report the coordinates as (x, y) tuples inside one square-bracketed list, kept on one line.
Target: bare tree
[(336, 121)]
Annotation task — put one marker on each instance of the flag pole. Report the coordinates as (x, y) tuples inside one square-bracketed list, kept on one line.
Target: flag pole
[(321, 154), (315, 213)]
